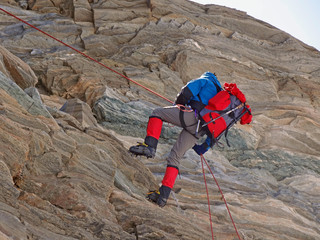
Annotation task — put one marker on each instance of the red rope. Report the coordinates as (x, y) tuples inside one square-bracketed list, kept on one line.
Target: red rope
[(157, 94), (225, 202), (205, 182)]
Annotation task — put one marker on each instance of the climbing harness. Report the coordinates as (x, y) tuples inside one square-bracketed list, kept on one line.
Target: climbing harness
[(182, 108), (184, 125)]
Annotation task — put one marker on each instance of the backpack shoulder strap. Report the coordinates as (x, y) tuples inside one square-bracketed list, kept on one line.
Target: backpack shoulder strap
[(218, 88)]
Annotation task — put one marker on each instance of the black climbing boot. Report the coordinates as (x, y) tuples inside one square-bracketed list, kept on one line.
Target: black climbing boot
[(160, 196), (153, 196), (144, 150)]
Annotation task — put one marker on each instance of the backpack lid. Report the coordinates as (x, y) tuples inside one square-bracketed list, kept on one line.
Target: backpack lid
[(234, 90)]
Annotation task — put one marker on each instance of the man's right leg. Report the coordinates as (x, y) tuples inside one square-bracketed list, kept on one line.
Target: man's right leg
[(149, 147)]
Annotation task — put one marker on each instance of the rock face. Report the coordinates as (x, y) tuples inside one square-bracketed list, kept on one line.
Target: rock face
[(66, 123), (16, 69)]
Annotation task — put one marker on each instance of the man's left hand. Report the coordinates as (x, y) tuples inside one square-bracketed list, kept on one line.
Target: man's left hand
[(199, 149)]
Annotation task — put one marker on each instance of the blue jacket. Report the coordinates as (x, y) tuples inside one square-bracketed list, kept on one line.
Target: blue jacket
[(197, 94), (204, 88)]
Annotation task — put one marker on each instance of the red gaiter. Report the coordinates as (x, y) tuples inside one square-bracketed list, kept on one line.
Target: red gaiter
[(170, 176)]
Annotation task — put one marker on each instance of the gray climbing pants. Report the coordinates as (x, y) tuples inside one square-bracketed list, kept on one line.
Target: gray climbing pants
[(186, 140)]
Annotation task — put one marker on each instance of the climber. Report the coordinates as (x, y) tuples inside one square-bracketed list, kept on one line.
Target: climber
[(192, 99)]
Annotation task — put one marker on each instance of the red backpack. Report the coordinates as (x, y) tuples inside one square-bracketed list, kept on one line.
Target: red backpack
[(225, 109)]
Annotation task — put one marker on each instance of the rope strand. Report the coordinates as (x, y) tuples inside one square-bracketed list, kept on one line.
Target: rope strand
[(129, 79), (205, 183), (225, 202)]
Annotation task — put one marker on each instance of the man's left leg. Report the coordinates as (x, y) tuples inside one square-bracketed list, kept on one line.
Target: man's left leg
[(161, 196)]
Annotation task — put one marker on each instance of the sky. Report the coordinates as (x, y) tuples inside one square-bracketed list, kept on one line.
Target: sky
[(299, 18)]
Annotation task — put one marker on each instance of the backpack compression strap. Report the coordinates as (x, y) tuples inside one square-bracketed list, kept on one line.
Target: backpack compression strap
[(231, 124), (225, 113)]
